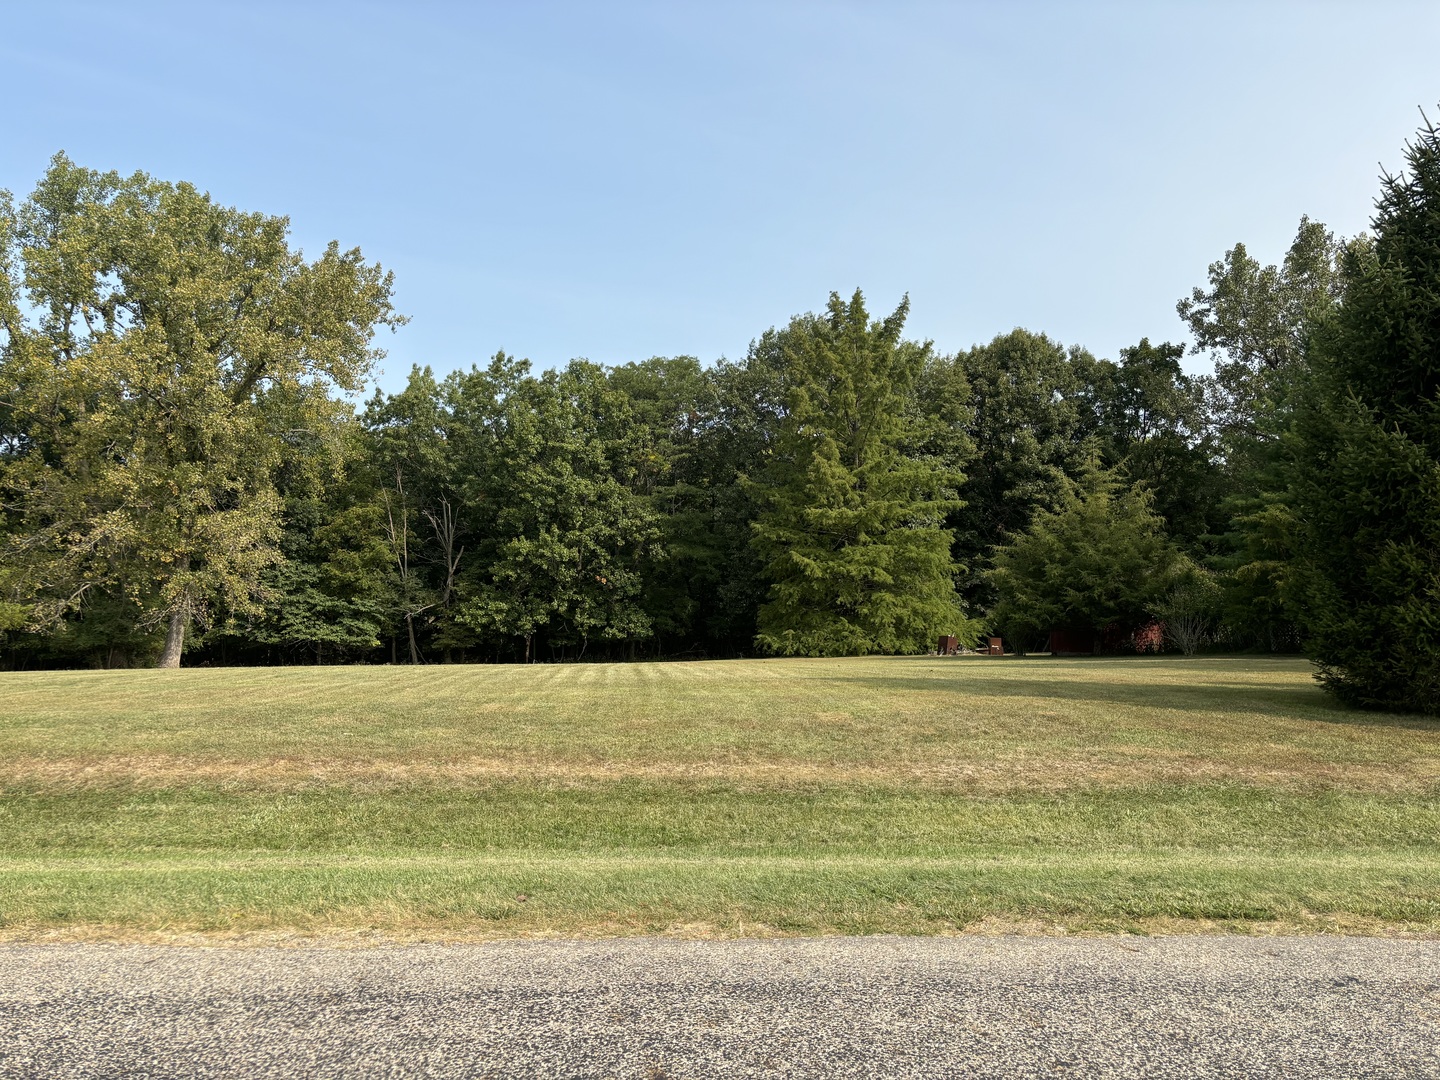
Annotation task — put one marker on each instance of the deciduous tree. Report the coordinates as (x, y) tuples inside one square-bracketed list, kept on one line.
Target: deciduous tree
[(159, 349), (1031, 438), (569, 537), (1255, 322)]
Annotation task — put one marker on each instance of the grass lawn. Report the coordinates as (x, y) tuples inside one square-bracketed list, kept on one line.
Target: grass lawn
[(914, 795)]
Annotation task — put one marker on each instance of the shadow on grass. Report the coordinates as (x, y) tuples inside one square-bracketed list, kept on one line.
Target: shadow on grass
[(1304, 703)]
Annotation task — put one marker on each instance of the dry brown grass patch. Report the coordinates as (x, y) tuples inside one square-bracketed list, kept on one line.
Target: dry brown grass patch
[(1101, 769), (1119, 931)]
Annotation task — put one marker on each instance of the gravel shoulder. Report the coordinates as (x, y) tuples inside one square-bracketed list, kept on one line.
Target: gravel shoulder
[(837, 1007)]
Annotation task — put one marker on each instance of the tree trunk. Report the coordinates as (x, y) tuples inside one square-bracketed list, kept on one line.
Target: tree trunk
[(174, 641)]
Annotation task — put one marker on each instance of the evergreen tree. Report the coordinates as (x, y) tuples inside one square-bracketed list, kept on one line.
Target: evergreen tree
[(852, 534), (1101, 560), (1366, 581)]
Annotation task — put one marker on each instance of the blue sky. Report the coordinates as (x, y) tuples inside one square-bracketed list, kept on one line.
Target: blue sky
[(618, 180)]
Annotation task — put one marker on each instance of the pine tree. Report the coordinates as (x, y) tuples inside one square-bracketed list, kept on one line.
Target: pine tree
[(1101, 560), (1366, 582), (852, 535)]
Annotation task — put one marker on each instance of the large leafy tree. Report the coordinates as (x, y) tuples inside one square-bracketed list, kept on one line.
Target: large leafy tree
[(1032, 435), (1257, 323), (738, 453), (333, 596), (569, 535), (426, 462), (852, 536), (160, 353), (1150, 419), (1367, 489), (665, 458)]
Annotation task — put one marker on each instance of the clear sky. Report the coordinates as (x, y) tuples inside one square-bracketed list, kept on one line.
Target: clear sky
[(621, 180)]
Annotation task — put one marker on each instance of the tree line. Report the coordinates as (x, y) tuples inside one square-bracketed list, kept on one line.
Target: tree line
[(186, 468)]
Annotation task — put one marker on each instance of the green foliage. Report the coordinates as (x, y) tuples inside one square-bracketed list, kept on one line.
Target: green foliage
[(1150, 421), (171, 345), (1254, 564), (1256, 322), (669, 459), (179, 448), (102, 633), (1367, 492), (851, 533), (333, 596), (13, 616), (740, 445), (304, 615), (1101, 560), (569, 535), (1021, 399)]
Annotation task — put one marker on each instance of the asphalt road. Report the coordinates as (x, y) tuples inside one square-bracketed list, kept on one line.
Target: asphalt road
[(847, 1007)]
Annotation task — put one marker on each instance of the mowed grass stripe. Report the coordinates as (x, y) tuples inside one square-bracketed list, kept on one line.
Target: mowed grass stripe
[(500, 895), (1418, 864), (652, 818)]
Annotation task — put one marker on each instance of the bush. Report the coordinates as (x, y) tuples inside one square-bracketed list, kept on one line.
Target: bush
[(1191, 610)]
